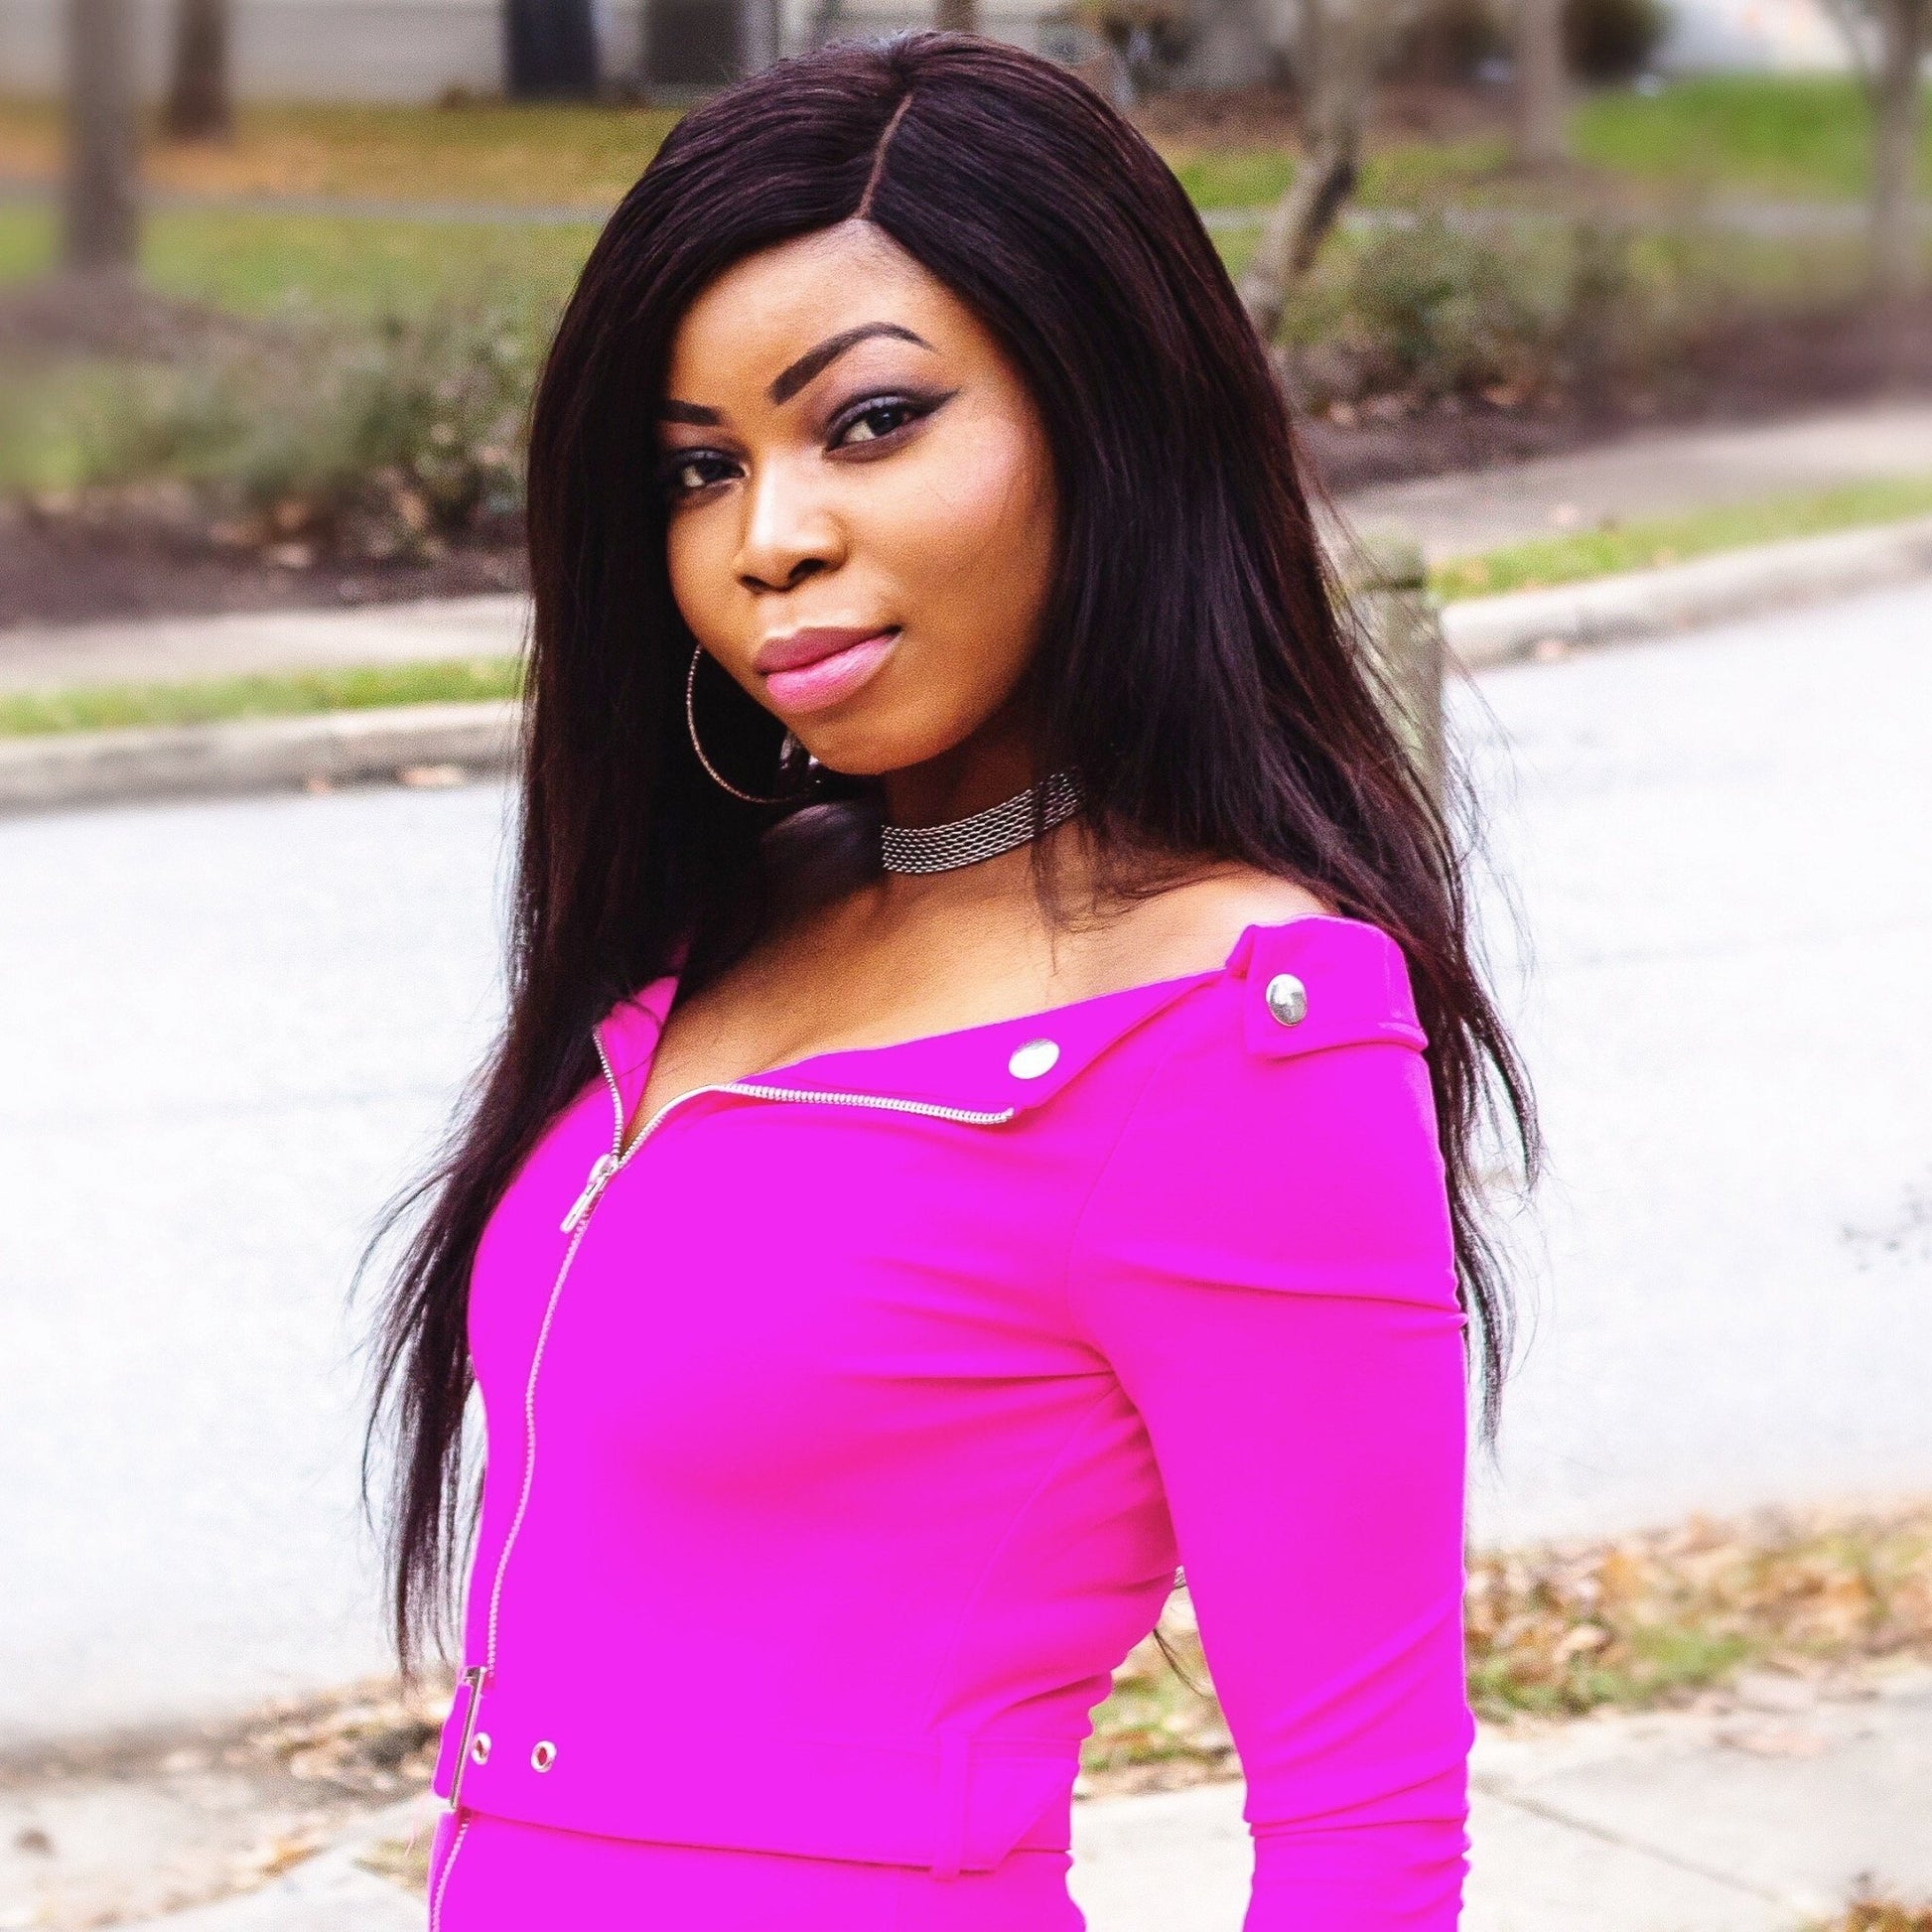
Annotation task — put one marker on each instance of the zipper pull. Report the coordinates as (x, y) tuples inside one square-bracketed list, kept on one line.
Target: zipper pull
[(602, 1168)]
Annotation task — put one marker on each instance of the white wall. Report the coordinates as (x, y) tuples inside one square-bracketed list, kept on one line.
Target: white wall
[(1768, 35), (349, 50), (413, 50)]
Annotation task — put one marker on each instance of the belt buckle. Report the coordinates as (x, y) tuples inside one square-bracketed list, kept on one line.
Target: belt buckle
[(473, 1678)]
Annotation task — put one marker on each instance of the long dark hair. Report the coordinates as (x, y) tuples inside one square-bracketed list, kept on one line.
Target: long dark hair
[(1193, 664)]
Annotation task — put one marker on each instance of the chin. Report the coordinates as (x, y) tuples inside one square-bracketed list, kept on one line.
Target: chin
[(861, 748)]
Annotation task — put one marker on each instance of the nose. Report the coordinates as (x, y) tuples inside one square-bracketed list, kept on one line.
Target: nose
[(790, 531)]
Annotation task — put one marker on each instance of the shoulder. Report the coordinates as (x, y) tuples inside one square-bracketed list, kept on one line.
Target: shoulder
[(1188, 926), (1302, 1066), (1286, 1136)]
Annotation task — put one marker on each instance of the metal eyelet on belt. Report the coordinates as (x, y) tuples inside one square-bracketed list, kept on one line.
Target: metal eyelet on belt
[(543, 1756), (479, 1748)]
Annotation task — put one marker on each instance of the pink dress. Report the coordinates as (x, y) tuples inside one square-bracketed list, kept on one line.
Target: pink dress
[(846, 1432)]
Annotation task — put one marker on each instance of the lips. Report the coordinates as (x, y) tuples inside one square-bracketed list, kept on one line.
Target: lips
[(806, 670)]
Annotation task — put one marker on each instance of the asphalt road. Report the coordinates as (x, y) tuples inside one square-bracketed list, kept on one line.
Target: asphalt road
[(1721, 963), (232, 1029), (230, 1032)]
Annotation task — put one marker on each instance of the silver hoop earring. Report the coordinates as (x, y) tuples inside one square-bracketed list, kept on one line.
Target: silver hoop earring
[(786, 747)]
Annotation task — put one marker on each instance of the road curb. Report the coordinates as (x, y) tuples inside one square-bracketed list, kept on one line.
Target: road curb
[(254, 754), (1483, 631)]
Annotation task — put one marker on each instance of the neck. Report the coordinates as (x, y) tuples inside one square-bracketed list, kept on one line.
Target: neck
[(985, 768)]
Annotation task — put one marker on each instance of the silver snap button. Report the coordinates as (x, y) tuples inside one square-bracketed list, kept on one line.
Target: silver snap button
[(479, 1748), (1033, 1059), (1288, 999), (543, 1756)]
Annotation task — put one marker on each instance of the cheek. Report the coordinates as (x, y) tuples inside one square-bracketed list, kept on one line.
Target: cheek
[(699, 548), (976, 520)]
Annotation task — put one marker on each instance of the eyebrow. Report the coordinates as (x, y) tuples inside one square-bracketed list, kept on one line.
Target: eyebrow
[(815, 361), (789, 380)]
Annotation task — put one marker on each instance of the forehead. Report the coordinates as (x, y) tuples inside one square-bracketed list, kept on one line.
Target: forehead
[(765, 311)]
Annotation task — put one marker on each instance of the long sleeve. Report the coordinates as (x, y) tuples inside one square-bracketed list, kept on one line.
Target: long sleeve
[(1265, 1262)]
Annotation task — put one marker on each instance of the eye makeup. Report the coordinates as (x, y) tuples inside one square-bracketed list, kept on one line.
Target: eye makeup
[(900, 408), (870, 424)]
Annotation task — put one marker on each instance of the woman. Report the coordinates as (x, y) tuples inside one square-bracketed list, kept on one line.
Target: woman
[(986, 1106)]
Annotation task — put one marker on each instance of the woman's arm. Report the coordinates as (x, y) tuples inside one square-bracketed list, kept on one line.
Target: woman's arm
[(1266, 1263)]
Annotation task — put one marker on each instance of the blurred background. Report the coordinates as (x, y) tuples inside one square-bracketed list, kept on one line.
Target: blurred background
[(1609, 327)]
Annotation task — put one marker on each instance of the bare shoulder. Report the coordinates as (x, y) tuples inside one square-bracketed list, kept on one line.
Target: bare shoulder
[(1192, 928)]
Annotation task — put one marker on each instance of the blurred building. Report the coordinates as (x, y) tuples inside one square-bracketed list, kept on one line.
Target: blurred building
[(1774, 36), (418, 50)]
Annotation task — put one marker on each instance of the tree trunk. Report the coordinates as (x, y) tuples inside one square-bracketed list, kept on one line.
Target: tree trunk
[(758, 35), (103, 206), (1298, 224), (1540, 84), (200, 105), (1339, 51), (958, 16), (1897, 246), (550, 49)]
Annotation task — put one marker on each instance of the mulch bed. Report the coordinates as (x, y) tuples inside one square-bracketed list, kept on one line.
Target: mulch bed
[(53, 571), (67, 569), (1752, 371), (1270, 116)]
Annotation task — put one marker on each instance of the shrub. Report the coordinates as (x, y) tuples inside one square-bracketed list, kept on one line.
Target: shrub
[(401, 439), (1433, 309), (374, 443)]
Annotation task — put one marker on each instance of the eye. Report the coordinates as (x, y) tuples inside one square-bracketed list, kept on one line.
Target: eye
[(879, 417), (686, 472)]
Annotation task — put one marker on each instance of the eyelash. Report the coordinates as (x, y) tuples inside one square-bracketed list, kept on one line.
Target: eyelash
[(913, 409)]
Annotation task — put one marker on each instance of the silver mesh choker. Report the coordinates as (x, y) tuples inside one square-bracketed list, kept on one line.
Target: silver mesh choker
[(985, 835)]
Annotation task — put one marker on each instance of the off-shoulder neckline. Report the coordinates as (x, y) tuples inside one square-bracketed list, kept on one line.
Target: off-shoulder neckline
[(1043, 1016)]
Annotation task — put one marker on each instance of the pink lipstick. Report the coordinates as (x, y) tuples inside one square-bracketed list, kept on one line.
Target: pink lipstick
[(806, 670)]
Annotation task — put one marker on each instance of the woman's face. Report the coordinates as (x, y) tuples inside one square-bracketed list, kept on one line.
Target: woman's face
[(862, 515)]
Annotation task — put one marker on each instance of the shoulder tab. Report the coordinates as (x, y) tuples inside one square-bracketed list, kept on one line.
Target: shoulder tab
[(1323, 982)]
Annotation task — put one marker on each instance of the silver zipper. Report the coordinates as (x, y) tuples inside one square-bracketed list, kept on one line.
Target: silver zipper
[(603, 1169), (443, 1878)]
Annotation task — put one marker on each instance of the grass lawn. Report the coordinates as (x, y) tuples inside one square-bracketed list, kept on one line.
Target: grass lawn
[(1774, 136), (1804, 137), (527, 156), (1780, 136), (1572, 559), (109, 707), (342, 265)]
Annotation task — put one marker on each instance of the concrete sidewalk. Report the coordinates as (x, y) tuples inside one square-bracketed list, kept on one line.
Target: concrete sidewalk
[(445, 744), (183, 651), (1663, 472), (1759, 1818), (1754, 1821)]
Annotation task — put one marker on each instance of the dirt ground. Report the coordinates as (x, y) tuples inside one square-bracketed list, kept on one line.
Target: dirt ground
[(126, 1829), (1405, 110)]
